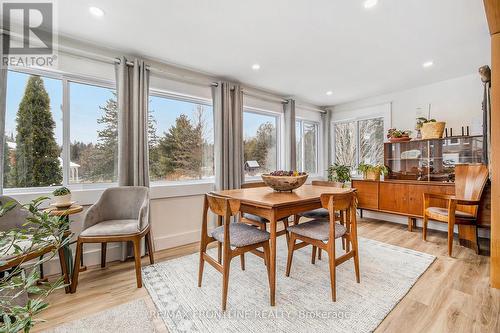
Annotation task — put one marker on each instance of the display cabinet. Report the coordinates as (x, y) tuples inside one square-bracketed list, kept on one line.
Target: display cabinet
[(431, 160)]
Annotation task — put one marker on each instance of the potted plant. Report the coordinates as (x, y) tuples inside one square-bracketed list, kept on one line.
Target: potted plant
[(372, 172), (62, 197), (340, 174), (395, 135), (430, 128)]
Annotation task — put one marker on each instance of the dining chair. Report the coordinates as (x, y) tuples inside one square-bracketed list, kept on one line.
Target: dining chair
[(240, 236), (323, 233), (120, 215), (461, 208), (318, 213)]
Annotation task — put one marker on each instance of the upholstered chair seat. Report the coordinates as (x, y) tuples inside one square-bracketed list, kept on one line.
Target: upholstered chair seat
[(319, 213), (444, 212), (112, 228), (241, 234), (257, 218), (317, 229)]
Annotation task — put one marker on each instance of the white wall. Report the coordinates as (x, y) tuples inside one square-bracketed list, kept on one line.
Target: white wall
[(456, 101)]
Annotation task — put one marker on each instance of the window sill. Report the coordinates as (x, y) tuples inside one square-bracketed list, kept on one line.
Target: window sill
[(89, 196)]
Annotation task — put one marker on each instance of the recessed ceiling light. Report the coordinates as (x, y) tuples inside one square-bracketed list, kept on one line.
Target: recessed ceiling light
[(96, 11), (329, 92), (370, 3), (255, 67), (427, 64)]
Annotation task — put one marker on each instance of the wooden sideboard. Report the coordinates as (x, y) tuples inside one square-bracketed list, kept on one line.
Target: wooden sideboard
[(405, 198)]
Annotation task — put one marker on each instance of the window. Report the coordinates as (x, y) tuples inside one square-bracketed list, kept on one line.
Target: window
[(260, 133), (181, 140), (359, 141), (33, 131), (306, 135), (93, 134)]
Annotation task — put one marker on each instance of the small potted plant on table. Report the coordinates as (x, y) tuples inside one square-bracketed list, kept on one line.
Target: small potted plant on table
[(372, 172), (340, 174), (62, 197)]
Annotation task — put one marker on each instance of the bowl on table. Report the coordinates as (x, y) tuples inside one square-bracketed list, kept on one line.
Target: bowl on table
[(284, 183)]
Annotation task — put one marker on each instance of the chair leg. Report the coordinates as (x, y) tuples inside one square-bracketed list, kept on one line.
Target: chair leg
[(313, 256), (267, 255), (242, 260), (291, 246), (225, 281), (287, 234), (219, 252), (76, 266), (137, 258), (331, 262), (151, 250), (104, 247), (203, 249), (319, 254), (296, 219), (424, 227), (451, 228), (356, 257)]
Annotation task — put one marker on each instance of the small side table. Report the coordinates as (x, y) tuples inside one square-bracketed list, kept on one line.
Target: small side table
[(68, 254)]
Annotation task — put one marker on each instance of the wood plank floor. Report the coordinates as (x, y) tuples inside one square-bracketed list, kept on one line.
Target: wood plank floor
[(453, 295)]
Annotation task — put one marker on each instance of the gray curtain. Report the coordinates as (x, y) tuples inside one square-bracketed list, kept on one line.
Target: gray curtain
[(132, 85), (228, 128), (326, 122), (3, 97), (290, 143)]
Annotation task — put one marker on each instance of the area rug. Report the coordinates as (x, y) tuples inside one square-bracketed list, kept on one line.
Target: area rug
[(303, 300), (130, 317)]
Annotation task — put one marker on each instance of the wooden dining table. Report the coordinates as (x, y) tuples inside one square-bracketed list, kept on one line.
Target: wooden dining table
[(274, 206)]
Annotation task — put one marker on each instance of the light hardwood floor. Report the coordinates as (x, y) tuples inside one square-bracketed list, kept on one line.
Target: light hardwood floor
[(453, 295)]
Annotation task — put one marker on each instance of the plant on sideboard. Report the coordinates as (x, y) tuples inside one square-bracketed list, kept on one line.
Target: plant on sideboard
[(395, 135), (22, 297), (372, 171), (339, 173)]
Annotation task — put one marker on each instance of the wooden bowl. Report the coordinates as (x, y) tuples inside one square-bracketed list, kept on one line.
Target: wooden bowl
[(284, 183)]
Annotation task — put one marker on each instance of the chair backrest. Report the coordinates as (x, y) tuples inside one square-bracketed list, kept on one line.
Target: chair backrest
[(123, 202), (253, 185), (345, 203), (14, 218), (470, 180), (223, 208)]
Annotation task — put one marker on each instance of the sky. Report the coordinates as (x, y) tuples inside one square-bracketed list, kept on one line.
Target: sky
[(84, 109)]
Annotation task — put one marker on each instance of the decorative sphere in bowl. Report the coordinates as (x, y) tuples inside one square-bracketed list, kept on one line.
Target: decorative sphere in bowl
[(283, 181)]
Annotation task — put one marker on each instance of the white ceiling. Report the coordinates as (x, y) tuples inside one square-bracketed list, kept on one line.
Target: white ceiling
[(304, 47)]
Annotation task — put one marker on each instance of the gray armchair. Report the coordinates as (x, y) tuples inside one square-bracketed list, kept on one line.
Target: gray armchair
[(120, 215)]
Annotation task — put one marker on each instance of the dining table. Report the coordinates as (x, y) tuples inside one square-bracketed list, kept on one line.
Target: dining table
[(274, 206)]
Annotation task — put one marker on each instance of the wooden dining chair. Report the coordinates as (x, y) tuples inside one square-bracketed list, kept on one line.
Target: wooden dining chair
[(318, 213), (461, 208), (317, 232), (243, 237)]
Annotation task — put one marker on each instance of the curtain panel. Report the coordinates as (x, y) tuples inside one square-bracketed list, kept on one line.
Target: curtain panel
[(132, 86), (290, 140), (228, 128), (3, 97), (326, 123)]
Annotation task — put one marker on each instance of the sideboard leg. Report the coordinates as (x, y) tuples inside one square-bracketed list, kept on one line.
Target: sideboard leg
[(412, 222)]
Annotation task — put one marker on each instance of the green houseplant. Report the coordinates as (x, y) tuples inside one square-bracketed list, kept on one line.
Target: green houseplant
[(339, 173), (62, 196), (395, 135), (17, 311), (372, 172)]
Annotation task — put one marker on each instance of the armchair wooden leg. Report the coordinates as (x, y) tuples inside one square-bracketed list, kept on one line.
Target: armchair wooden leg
[(424, 227), (151, 250), (331, 262), (242, 260), (313, 256), (137, 258), (291, 246), (103, 254), (76, 266), (64, 270)]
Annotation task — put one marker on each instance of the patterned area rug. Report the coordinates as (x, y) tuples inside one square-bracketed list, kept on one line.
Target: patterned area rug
[(303, 300), (130, 317)]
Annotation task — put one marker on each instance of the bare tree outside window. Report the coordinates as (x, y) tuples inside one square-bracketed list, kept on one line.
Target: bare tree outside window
[(345, 144), (371, 141)]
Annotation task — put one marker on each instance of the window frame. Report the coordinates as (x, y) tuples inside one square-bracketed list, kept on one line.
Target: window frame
[(153, 92), (318, 126), (279, 118)]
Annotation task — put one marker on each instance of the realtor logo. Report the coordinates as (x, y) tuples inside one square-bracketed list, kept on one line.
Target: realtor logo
[(28, 33)]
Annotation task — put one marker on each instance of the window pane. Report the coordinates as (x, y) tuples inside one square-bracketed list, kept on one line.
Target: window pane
[(310, 147), (259, 133), (181, 140), (345, 144), (298, 146), (33, 131), (371, 141), (93, 134)]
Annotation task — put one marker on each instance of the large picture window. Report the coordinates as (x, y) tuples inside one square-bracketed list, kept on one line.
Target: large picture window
[(359, 141), (260, 133), (306, 135), (33, 131), (181, 140)]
